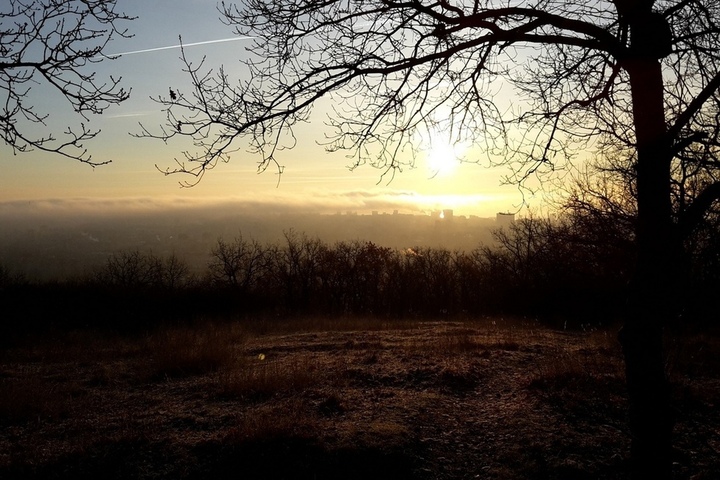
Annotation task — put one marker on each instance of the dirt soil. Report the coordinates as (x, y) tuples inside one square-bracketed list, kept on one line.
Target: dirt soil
[(426, 400)]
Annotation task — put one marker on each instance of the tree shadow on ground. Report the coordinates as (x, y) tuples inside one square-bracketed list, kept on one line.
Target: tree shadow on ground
[(268, 459), (110, 460), (299, 458)]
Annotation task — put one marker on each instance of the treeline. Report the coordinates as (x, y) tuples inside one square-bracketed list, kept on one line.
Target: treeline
[(570, 273)]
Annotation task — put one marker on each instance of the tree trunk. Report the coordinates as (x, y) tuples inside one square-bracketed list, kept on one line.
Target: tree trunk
[(649, 308)]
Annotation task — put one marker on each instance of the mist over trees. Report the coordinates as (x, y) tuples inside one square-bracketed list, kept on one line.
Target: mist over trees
[(303, 275), (568, 273)]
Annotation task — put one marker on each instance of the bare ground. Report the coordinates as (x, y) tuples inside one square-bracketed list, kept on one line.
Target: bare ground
[(355, 399)]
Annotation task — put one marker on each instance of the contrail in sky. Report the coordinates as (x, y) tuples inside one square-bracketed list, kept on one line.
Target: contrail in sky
[(221, 40)]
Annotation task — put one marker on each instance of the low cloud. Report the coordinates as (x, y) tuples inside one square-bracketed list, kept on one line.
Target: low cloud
[(59, 210)]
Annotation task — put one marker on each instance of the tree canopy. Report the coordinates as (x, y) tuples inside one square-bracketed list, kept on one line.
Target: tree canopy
[(55, 45)]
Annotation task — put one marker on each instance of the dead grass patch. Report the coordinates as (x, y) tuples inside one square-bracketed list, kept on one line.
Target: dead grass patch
[(290, 418), (261, 378), (586, 383), (181, 352), (461, 341), (557, 372), (440, 400), (33, 399), (459, 378), (284, 325)]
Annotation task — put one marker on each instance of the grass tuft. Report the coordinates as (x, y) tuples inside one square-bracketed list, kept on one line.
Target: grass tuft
[(292, 418), (182, 352), (261, 379)]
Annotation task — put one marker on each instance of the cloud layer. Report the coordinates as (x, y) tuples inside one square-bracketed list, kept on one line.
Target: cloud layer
[(320, 202)]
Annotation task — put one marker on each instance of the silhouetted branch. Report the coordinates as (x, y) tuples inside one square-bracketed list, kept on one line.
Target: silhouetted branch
[(57, 43), (387, 61), (696, 211)]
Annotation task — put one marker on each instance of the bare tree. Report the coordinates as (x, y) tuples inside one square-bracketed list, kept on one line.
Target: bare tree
[(132, 270), (175, 273), (640, 76), (237, 264), (297, 265), (55, 45)]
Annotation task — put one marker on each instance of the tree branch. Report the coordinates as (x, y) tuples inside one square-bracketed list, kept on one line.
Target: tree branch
[(692, 216), (54, 42)]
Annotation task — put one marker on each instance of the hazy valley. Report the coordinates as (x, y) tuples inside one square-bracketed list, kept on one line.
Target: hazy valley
[(47, 247)]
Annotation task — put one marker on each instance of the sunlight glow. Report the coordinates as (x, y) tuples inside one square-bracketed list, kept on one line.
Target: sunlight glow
[(442, 159)]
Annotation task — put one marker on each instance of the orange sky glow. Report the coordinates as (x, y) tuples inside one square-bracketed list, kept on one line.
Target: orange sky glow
[(313, 179)]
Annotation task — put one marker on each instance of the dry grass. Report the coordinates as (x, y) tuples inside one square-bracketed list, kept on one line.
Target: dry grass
[(283, 326), (293, 418), (179, 352), (261, 378), (488, 399), (33, 399)]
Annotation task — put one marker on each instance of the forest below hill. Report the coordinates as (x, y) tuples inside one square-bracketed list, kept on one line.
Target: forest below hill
[(569, 274)]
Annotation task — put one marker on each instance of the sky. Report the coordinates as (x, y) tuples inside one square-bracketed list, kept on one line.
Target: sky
[(312, 179)]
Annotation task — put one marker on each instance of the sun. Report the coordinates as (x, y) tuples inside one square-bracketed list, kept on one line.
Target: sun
[(442, 159)]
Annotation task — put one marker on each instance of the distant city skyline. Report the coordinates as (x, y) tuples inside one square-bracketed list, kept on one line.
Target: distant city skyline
[(149, 65), (46, 245)]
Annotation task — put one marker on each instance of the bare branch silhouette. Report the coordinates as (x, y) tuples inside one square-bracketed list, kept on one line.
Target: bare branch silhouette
[(56, 44)]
